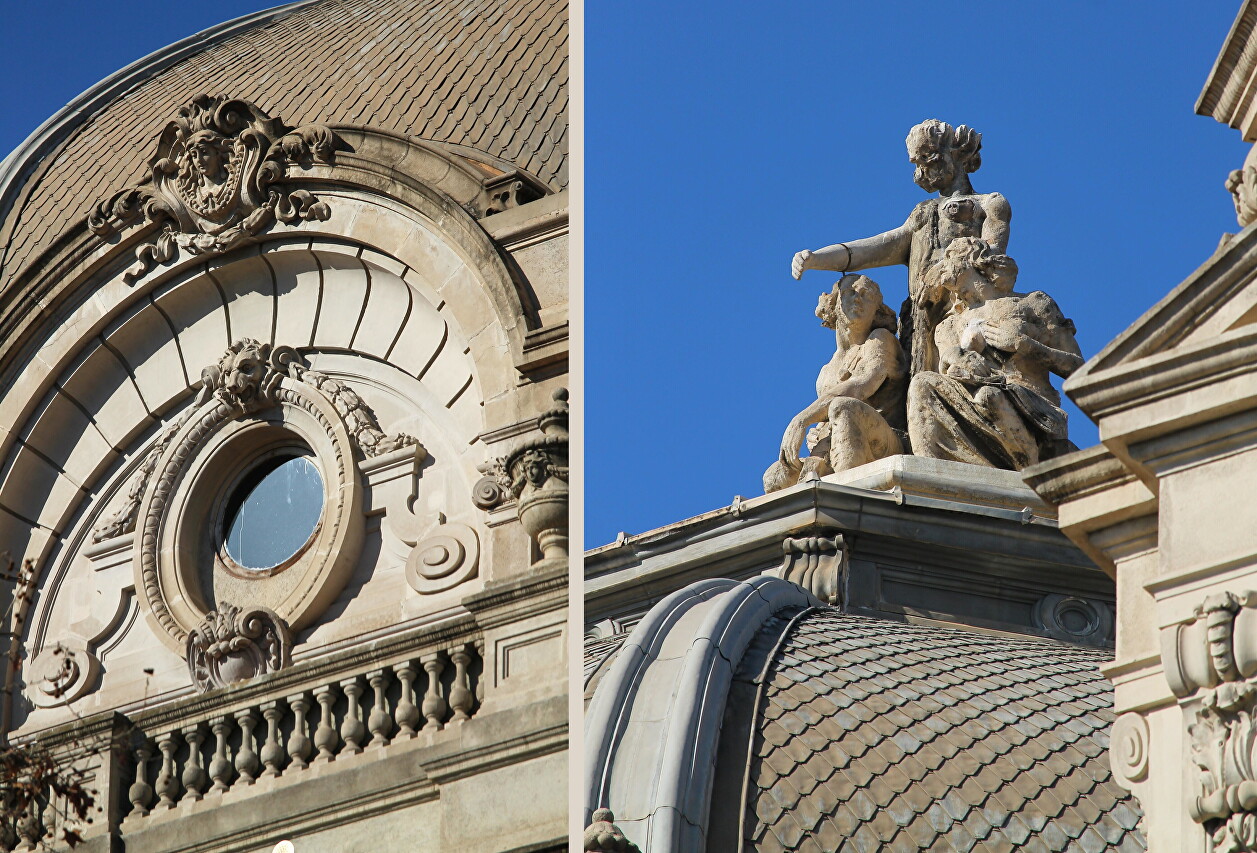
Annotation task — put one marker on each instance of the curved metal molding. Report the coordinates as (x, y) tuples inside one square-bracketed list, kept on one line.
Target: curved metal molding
[(16, 167), (653, 724)]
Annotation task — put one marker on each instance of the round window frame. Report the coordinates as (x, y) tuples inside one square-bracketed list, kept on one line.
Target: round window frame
[(177, 552), (223, 558)]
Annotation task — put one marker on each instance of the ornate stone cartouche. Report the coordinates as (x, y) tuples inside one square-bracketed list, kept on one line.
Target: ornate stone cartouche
[(215, 181), (245, 380), (232, 645)]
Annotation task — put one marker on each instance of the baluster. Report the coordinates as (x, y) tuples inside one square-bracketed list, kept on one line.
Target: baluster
[(380, 723), (407, 712), (220, 766), (141, 793), (167, 782), (325, 737), (461, 698), (273, 750), (351, 728), (479, 646), (299, 742), (246, 758), (194, 778), (433, 702), (31, 828)]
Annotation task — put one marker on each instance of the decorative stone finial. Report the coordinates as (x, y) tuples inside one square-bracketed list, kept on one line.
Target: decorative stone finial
[(538, 473)]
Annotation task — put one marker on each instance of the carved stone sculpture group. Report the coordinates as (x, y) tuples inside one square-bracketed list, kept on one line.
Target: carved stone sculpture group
[(973, 356)]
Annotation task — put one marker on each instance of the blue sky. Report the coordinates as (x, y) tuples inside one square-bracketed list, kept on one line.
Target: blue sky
[(52, 51), (723, 137)]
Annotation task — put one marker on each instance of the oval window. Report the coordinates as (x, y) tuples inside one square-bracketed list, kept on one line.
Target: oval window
[(273, 512)]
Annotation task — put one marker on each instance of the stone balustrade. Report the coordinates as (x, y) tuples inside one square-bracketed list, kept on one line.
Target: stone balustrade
[(199, 756)]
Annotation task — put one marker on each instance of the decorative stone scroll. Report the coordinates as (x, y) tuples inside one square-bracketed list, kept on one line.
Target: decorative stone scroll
[(538, 473), (603, 836), (816, 563), (216, 180), (1211, 663), (1074, 619), (233, 645), (447, 556), (60, 674)]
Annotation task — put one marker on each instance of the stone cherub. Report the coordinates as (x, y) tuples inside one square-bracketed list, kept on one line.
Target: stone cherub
[(859, 393), (603, 836), (943, 156), (991, 402)]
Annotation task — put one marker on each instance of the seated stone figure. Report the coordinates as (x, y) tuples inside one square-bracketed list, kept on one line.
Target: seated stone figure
[(992, 402), (859, 393)]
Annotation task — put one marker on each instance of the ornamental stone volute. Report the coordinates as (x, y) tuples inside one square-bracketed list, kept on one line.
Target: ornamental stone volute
[(232, 645)]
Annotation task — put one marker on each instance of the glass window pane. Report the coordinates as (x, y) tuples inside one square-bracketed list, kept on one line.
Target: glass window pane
[(275, 514)]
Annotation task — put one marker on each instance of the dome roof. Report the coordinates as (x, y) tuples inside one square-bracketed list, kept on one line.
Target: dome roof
[(874, 735), (490, 76)]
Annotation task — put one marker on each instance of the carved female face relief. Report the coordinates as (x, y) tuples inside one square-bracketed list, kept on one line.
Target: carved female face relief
[(204, 156)]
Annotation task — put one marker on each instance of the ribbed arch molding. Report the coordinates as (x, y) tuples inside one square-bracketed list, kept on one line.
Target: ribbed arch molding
[(129, 376)]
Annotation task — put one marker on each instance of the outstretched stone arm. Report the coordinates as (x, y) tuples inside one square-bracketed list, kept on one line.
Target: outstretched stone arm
[(883, 250)]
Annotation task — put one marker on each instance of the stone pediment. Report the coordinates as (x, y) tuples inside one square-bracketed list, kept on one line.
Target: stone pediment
[(1200, 340), (1219, 297)]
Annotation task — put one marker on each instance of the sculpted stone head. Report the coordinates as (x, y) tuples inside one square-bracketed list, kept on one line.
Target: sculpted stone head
[(855, 300), (206, 155), (941, 152), (972, 272)]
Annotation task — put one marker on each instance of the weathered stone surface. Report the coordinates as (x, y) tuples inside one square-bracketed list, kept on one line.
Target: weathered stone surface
[(944, 156), (991, 401), (859, 392)]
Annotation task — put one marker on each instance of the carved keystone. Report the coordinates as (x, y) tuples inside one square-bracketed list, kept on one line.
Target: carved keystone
[(233, 645)]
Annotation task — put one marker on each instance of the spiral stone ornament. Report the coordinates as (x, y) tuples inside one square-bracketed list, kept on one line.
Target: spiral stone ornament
[(1128, 749)]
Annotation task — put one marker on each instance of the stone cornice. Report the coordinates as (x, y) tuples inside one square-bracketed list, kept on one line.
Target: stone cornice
[(1189, 306), (542, 591), (1077, 475), (1228, 95), (746, 538)]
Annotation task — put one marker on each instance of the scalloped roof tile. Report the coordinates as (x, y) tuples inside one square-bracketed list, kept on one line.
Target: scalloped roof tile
[(417, 67), (1010, 755)]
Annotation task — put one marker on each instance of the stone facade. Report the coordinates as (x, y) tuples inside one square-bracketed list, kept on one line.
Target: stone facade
[(251, 268), (1162, 505)]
